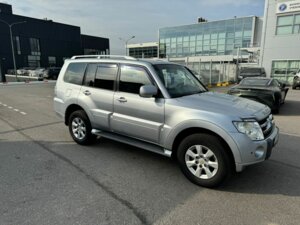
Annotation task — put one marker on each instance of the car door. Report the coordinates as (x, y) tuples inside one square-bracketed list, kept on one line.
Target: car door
[(97, 93), (135, 116)]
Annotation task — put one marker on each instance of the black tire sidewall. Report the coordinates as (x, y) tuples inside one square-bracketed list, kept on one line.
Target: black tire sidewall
[(214, 144), (89, 136)]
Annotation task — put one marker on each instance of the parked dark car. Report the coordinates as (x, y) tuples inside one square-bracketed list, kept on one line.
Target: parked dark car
[(51, 73), (251, 72), (296, 81), (268, 91)]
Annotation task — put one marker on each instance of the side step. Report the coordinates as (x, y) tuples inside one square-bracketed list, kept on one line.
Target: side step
[(134, 142)]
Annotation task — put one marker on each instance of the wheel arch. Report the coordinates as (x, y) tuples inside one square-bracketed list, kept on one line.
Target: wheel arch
[(71, 108), (193, 130)]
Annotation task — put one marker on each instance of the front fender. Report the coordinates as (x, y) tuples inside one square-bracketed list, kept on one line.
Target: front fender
[(208, 126)]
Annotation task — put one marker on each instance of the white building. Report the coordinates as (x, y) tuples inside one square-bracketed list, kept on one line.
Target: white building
[(280, 48)]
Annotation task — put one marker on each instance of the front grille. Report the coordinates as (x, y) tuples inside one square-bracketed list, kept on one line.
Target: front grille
[(267, 125)]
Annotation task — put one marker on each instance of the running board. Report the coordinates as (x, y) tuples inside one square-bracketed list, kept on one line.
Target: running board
[(134, 142)]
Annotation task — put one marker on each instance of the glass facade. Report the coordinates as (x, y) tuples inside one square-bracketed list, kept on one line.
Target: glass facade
[(143, 52), (289, 24), (209, 38), (285, 70)]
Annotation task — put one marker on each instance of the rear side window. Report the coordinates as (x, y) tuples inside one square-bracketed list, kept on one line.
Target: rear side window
[(105, 76), (74, 73), (132, 78)]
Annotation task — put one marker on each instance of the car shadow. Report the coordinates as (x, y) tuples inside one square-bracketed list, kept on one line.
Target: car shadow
[(290, 108)]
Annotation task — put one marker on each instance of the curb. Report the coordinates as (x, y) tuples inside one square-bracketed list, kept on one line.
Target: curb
[(27, 82)]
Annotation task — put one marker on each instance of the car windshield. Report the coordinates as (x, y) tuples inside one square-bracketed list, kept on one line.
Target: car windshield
[(255, 82), (178, 80)]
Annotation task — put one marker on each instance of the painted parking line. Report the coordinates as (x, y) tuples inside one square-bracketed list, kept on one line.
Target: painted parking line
[(14, 109), (290, 134)]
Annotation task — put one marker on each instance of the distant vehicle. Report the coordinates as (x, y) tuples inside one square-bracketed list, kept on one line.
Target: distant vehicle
[(38, 72), (251, 72), (296, 81), (162, 107), (24, 71), (51, 73), (268, 91)]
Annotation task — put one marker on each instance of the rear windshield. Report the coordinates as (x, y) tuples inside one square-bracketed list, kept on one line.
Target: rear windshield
[(255, 82)]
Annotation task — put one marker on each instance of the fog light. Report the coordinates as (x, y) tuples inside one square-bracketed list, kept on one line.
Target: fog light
[(258, 154)]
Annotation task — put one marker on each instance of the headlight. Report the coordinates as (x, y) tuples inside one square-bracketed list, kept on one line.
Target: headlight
[(251, 129)]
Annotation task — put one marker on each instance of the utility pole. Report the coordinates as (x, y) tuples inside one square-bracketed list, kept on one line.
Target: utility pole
[(126, 43), (12, 42)]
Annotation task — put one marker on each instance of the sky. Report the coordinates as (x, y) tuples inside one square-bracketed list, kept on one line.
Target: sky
[(115, 19)]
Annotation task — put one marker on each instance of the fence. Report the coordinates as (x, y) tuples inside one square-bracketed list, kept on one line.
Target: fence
[(212, 73)]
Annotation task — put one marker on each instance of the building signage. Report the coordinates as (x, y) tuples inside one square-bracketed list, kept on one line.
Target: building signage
[(286, 7)]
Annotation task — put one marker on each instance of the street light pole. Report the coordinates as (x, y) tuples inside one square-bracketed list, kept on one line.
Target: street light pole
[(126, 43), (12, 43)]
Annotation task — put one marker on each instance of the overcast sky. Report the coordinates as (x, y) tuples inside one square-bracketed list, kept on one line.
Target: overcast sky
[(116, 19)]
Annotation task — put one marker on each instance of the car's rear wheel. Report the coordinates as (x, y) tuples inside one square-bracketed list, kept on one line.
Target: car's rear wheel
[(203, 160), (80, 128)]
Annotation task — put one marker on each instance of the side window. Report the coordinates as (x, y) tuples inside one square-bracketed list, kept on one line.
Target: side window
[(74, 73), (132, 78), (105, 76), (90, 75)]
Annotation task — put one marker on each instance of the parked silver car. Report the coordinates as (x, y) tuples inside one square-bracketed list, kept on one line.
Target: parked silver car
[(162, 107)]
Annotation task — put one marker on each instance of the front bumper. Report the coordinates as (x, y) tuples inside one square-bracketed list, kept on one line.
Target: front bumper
[(253, 152)]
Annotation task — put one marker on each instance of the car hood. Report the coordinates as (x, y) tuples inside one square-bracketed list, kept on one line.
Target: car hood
[(225, 104)]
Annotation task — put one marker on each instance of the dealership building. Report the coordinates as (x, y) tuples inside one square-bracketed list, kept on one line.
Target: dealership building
[(42, 42), (217, 49), (280, 46)]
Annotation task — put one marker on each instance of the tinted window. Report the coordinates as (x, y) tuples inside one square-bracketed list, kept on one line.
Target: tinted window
[(74, 73), (90, 75), (132, 78), (105, 76)]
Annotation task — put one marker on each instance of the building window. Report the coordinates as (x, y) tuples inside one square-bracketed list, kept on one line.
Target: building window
[(17, 45), (288, 24), (52, 60), (285, 70), (34, 61), (35, 46)]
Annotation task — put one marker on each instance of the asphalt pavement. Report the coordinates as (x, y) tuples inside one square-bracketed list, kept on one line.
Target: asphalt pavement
[(45, 178)]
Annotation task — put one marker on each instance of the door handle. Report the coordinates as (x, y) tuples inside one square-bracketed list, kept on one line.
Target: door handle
[(122, 99), (87, 92)]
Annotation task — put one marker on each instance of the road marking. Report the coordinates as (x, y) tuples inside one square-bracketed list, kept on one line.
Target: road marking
[(294, 135), (12, 108)]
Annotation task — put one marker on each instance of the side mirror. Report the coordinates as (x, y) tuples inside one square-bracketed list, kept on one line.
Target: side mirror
[(148, 91), (283, 85)]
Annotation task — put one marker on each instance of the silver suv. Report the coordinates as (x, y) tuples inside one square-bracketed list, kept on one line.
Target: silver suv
[(162, 107)]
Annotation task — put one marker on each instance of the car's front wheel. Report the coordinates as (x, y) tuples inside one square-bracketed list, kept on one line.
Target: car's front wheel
[(203, 160), (80, 128)]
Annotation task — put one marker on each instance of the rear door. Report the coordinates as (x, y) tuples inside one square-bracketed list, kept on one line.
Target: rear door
[(134, 116), (97, 92)]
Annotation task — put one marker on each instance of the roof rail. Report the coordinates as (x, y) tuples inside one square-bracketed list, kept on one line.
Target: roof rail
[(102, 57)]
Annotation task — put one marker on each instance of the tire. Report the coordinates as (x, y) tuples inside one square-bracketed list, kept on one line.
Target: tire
[(293, 87), (80, 128), (203, 160)]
